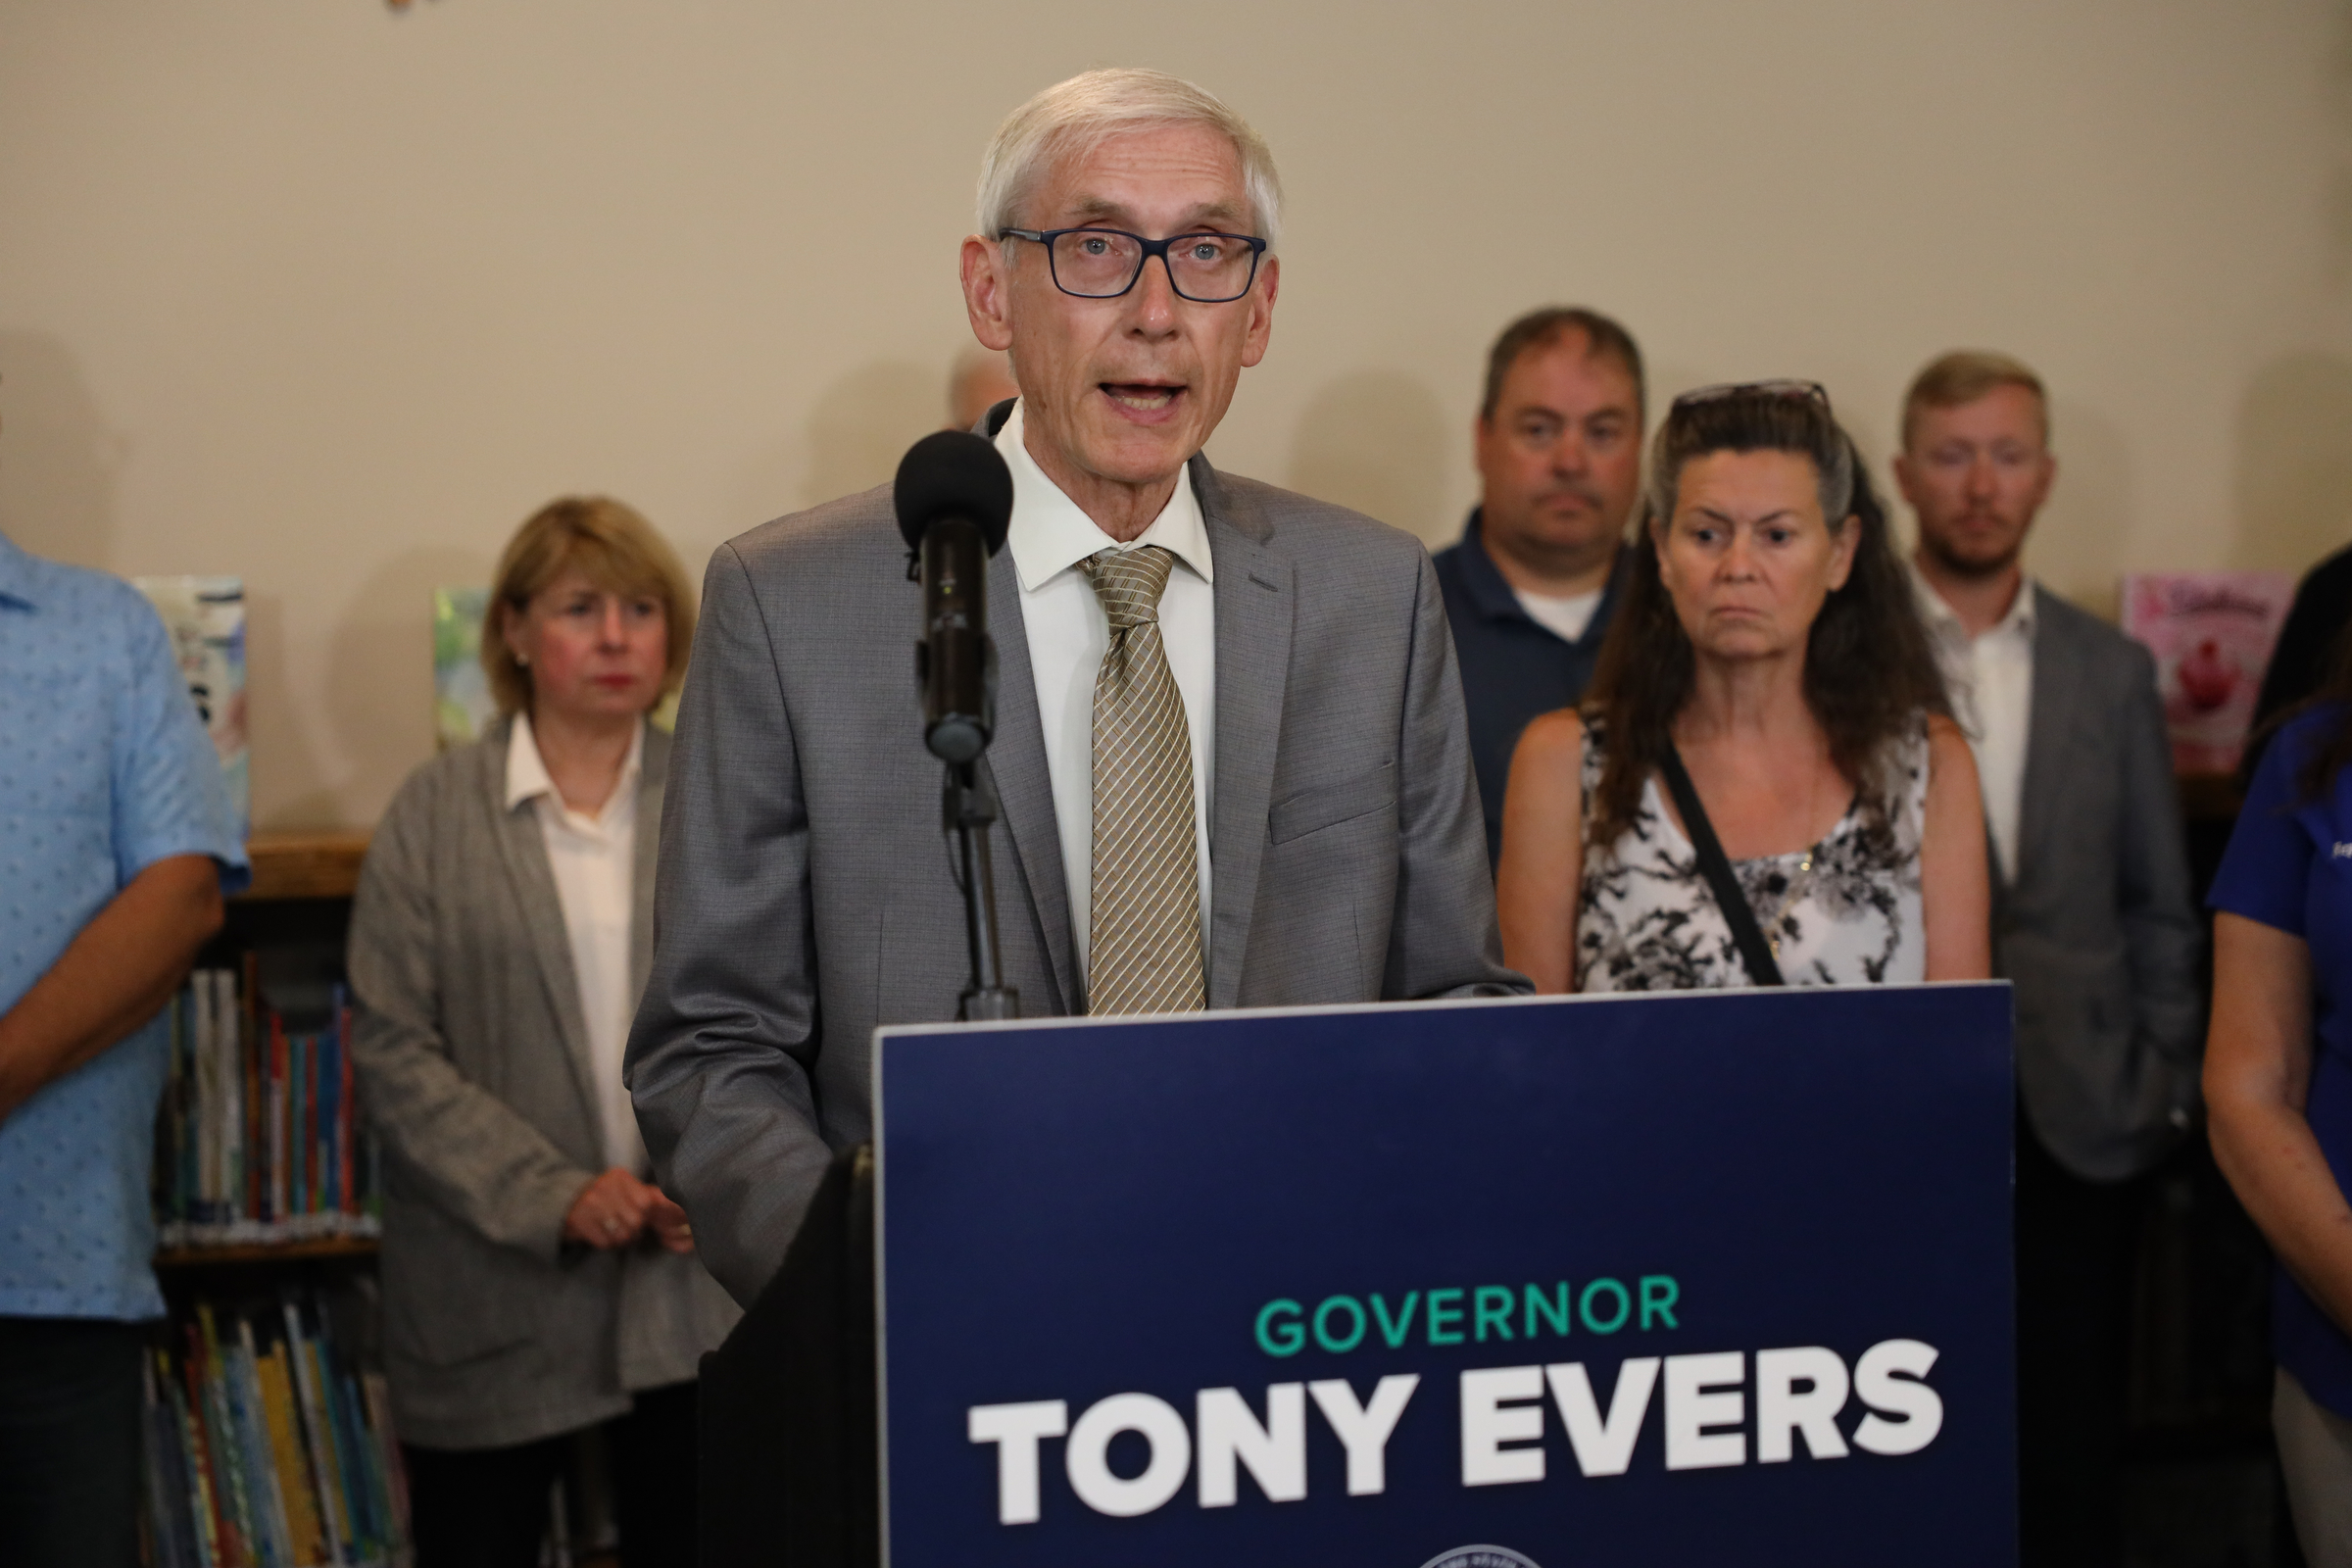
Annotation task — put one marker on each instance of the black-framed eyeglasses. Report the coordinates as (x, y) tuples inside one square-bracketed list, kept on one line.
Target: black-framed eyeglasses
[(1103, 264), (1808, 391)]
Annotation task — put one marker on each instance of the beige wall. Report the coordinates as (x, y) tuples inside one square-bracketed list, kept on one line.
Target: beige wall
[(333, 297)]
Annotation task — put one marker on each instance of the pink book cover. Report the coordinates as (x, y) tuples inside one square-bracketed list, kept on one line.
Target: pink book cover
[(2211, 633)]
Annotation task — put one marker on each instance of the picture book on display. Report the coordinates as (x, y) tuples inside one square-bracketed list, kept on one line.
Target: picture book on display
[(2212, 634), (462, 703), (205, 619)]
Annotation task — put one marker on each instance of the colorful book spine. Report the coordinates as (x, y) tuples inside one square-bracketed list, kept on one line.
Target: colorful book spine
[(268, 1447), (258, 1135)]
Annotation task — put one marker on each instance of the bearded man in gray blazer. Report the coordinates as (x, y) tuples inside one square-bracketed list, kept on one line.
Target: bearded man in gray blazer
[(1230, 742), (2092, 921)]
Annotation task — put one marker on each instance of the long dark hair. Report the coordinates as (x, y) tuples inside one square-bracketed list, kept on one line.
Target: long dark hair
[(1870, 673), (2333, 750)]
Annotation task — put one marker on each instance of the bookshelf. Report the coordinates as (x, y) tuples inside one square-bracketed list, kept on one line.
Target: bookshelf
[(267, 1428)]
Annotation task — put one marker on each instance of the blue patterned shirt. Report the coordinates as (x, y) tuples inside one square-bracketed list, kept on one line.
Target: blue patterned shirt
[(104, 771)]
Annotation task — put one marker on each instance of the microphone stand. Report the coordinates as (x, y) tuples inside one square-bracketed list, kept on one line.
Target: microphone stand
[(968, 807)]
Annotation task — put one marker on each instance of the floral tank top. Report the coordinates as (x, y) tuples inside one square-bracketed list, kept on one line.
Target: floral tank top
[(1846, 912)]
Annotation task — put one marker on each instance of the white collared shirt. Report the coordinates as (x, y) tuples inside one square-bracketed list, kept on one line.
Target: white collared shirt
[(1068, 635), (594, 861), (1991, 679)]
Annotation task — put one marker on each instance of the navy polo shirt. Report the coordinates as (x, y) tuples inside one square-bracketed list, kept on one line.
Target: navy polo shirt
[(1512, 667)]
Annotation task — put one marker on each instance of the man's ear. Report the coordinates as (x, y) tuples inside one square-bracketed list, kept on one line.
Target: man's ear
[(987, 292), (1261, 311), (1902, 478)]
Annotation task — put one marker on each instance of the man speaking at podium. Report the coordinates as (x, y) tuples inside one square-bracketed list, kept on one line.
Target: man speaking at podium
[(1229, 741)]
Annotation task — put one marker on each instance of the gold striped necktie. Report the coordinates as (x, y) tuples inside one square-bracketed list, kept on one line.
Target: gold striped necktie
[(1145, 950)]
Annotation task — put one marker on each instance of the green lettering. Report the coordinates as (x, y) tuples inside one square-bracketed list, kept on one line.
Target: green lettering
[(1625, 1306), (1493, 1306), (1323, 1315), (1450, 1312), (1394, 1332), (1556, 1310), (1284, 1338), (1659, 1293)]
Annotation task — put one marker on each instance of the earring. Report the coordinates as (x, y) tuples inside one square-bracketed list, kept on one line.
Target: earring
[(523, 660)]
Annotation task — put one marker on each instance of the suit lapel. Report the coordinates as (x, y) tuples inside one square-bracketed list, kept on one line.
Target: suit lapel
[(2046, 729), (1255, 602), (1017, 759), (522, 852), (653, 782)]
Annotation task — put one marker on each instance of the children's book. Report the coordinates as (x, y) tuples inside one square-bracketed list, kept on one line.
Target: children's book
[(205, 619), (2212, 634)]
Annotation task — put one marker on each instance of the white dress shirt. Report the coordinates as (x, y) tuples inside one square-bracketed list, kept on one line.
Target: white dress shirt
[(1068, 635), (1991, 679), (594, 861)]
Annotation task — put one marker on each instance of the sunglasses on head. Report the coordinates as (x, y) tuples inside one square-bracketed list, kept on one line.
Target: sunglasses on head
[(1810, 391)]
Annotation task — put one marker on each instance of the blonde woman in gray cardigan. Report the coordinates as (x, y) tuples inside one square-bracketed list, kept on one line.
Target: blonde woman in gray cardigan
[(535, 1282)]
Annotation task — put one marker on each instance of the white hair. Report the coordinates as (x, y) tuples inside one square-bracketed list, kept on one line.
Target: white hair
[(1077, 116)]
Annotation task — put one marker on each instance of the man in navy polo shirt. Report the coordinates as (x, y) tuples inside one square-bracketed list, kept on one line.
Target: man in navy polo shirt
[(1532, 585), (115, 848)]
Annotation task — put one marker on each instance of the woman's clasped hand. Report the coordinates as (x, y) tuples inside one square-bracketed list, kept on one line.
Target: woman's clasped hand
[(617, 1209)]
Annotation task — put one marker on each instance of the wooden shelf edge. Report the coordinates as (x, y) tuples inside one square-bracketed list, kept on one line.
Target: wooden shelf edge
[(304, 866), (266, 1252)]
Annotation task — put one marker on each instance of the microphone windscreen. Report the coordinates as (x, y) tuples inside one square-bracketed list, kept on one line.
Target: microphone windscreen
[(954, 473)]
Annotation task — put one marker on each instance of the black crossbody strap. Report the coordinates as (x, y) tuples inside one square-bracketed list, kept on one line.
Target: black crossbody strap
[(1716, 867)]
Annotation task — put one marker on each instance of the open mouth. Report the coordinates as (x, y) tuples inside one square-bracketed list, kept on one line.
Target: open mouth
[(1144, 398)]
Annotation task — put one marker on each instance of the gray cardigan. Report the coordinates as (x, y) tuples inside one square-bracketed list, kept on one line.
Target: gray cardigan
[(474, 1066)]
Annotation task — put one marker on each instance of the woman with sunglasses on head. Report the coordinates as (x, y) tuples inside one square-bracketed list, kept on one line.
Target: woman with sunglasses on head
[(1764, 785)]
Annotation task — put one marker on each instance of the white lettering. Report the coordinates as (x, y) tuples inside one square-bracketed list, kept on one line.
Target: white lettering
[(1884, 1380), (1491, 1417), (1015, 1430), (1365, 1429), (1782, 1409), (1225, 1429), (1087, 1455), (1604, 1447), (1691, 1410)]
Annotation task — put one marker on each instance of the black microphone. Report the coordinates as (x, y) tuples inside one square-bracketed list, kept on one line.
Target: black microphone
[(954, 497)]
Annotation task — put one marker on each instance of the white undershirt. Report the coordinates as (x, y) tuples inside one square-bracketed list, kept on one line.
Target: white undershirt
[(1991, 679), (594, 861), (1068, 634), (1564, 618)]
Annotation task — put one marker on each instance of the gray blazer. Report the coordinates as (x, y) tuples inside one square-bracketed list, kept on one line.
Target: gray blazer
[(474, 1062), (804, 893), (2099, 934)]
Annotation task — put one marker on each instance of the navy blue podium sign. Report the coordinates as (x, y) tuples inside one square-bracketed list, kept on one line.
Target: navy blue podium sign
[(1703, 1279)]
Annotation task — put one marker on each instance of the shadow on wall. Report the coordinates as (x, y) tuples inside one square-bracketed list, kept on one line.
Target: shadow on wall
[(379, 689), (58, 460), (863, 423), (1378, 441), (2083, 537), (2294, 480)]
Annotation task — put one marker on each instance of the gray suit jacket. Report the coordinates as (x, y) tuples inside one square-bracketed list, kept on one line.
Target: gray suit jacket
[(474, 1062), (2099, 934), (805, 887)]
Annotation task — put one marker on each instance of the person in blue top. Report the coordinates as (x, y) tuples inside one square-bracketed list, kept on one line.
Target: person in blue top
[(114, 849), (2279, 1088), (1533, 583)]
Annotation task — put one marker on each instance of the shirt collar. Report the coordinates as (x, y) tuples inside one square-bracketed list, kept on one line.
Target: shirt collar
[(16, 574), (1496, 599), (1946, 620), (1049, 534), (526, 772)]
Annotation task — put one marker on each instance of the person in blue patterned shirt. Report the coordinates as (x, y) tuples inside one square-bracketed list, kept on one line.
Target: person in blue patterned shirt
[(115, 851)]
